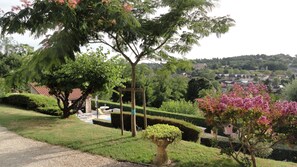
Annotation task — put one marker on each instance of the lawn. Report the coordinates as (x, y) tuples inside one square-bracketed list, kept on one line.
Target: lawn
[(108, 142)]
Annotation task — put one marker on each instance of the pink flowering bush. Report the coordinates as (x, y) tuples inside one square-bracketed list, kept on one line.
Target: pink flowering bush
[(70, 3), (257, 121)]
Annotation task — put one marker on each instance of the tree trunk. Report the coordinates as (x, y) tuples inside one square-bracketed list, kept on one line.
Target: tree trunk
[(161, 157), (133, 103), (66, 113), (253, 160)]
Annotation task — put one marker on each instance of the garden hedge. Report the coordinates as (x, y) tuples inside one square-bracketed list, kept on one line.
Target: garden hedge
[(198, 121), (102, 122), (190, 131), (39, 103)]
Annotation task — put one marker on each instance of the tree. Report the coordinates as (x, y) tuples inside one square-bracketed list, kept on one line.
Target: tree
[(133, 28), (275, 82), (290, 91), (90, 72), (167, 84), (260, 123), (12, 55), (195, 85), (144, 80)]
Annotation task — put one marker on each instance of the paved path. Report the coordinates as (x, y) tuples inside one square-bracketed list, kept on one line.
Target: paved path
[(17, 151)]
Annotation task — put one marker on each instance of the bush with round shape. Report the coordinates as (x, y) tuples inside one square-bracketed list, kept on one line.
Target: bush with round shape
[(162, 135)]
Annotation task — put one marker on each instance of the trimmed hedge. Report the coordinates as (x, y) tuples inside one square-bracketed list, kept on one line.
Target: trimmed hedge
[(154, 112), (102, 122), (55, 111), (190, 131), (39, 103)]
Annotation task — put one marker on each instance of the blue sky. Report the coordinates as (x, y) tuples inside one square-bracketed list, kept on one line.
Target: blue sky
[(262, 27)]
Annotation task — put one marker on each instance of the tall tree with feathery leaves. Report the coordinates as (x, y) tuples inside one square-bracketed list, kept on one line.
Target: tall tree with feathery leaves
[(137, 29)]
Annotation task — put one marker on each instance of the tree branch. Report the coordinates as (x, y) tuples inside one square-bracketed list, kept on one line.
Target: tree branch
[(163, 43), (135, 48), (59, 103), (119, 48), (136, 55), (81, 99)]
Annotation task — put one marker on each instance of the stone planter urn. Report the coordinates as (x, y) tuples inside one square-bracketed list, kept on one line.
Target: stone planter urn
[(162, 135)]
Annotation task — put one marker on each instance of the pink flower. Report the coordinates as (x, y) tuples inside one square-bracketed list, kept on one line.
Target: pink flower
[(263, 120), (73, 3), (222, 106), (60, 1), (15, 8), (26, 3), (286, 108), (127, 7)]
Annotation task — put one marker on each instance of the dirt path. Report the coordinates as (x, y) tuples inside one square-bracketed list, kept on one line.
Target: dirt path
[(17, 151)]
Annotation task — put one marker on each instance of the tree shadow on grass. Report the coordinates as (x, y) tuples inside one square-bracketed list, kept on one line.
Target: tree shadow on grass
[(107, 142), (22, 122), (222, 162)]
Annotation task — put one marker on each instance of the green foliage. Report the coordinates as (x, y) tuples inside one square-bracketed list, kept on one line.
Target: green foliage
[(146, 35), (90, 72), (163, 83), (196, 85), (3, 87), (181, 106), (196, 120), (39, 103), (167, 85), (12, 55), (290, 91), (135, 32), (251, 62), (162, 131), (108, 142), (52, 110), (102, 122), (190, 132)]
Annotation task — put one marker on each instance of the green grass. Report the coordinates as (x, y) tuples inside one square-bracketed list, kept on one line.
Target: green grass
[(108, 142)]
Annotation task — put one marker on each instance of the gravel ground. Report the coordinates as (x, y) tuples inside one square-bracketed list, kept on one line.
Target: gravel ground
[(17, 151)]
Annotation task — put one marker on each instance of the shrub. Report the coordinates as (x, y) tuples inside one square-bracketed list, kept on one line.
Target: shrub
[(50, 110), (256, 118), (190, 131), (182, 106), (39, 103), (193, 119), (162, 135), (289, 92), (163, 131), (102, 122)]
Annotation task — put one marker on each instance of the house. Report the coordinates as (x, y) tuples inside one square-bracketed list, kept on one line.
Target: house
[(76, 93)]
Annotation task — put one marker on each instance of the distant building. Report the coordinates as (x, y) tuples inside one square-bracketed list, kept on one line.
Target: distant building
[(74, 95)]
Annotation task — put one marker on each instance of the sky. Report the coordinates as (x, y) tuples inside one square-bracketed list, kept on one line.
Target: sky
[(262, 27)]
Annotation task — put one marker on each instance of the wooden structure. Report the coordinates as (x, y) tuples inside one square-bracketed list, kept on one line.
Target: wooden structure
[(121, 106)]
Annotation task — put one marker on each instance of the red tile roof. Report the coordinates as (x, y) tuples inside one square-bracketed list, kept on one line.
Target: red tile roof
[(43, 90)]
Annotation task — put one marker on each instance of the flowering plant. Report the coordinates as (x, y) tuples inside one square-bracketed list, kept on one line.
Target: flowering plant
[(255, 118)]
